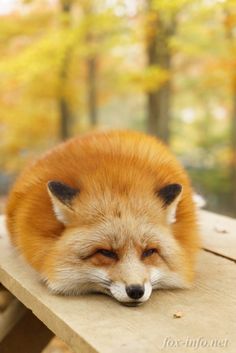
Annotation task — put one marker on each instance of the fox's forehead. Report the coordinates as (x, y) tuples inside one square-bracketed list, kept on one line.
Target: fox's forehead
[(127, 231), (120, 227), (121, 234), (119, 220), (119, 209)]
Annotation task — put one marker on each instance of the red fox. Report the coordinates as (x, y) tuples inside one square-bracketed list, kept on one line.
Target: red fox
[(109, 212)]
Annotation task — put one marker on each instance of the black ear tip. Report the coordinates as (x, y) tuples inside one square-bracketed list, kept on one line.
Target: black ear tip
[(62, 191), (52, 185), (176, 188), (169, 193), (56, 186)]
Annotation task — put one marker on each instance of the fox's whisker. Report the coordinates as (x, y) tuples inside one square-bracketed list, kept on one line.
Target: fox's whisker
[(155, 282), (101, 280)]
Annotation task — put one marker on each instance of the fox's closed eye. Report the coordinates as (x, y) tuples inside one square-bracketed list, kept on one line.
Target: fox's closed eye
[(149, 252), (107, 253)]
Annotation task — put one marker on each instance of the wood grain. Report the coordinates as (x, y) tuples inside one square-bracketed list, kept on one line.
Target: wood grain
[(218, 234)]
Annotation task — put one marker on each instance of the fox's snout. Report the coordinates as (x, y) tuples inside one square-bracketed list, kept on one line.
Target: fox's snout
[(135, 291), (131, 294)]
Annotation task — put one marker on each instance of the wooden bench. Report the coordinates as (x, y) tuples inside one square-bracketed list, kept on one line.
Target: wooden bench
[(96, 323)]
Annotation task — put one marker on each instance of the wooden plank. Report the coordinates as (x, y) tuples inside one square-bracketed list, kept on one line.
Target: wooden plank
[(9, 318), (96, 323), (218, 234), (5, 298), (29, 335)]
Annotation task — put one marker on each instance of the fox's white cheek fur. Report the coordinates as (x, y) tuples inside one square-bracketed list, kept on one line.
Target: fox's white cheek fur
[(72, 281), (118, 291), (163, 278)]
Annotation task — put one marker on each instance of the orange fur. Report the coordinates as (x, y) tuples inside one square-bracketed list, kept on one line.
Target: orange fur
[(116, 172)]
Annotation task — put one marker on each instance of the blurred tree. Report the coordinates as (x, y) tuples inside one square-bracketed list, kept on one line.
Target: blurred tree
[(159, 31), (91, 64), (49, 72), (65, 113), (201, 101), (161, 27), (92, 89), (230, 26)]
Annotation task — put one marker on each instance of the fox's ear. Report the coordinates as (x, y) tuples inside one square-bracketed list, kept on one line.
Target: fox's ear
[(170, 196), (62, 197)]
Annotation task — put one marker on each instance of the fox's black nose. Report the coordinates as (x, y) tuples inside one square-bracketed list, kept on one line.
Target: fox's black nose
[(135, 291)]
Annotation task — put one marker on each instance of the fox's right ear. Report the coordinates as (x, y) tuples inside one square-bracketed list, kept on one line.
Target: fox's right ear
[(170, 196), (62, 197)]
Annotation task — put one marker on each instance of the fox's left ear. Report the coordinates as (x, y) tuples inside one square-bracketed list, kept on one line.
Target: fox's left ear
[(62, 197), (170, 196)]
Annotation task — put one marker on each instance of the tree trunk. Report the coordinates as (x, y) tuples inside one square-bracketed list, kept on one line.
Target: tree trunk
[(92, 92), (233, 150), (229, 30), (158, 53), (65, 118), (91, 64), (65, 114)]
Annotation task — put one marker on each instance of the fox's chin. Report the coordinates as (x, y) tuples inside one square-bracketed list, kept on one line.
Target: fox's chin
[(132, 304), (125, 303)]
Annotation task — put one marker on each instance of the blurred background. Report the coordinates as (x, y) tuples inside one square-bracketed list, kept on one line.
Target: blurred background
[(167, 67)]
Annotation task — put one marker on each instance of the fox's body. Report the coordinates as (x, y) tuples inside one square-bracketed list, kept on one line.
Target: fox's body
[(97, 214)]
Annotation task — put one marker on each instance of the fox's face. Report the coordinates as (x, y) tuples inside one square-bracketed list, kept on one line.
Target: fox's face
[(120, 246)]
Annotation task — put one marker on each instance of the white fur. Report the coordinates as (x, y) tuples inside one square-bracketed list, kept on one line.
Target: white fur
[(164, 279), (199, 200), (60, 210), (72, 281), (59, 213), (3, 227), (171, 209)]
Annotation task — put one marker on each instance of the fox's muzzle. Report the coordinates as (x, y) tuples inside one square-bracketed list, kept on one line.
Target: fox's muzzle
[(132, 294), (135, 291)]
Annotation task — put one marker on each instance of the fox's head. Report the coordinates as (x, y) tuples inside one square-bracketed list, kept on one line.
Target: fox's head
[(119, 244)]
